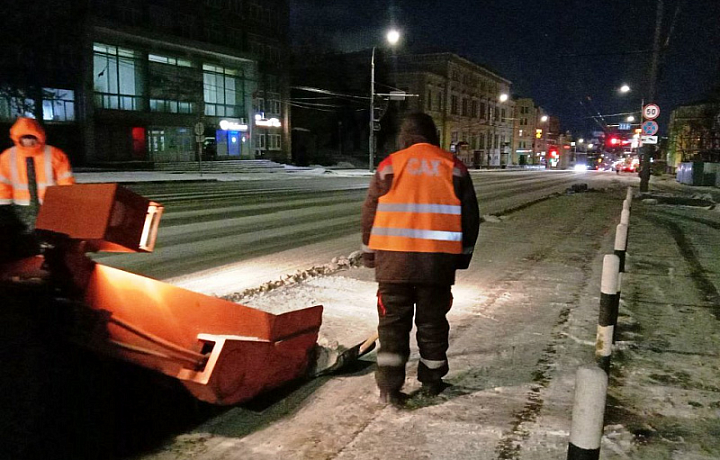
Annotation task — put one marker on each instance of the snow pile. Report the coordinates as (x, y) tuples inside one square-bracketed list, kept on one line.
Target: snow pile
[(336, 264)]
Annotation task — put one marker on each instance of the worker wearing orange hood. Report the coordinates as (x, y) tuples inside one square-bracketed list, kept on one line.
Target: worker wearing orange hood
[(27, 169)]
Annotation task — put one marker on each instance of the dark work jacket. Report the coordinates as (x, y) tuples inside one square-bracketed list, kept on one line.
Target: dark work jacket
[(420, 267)]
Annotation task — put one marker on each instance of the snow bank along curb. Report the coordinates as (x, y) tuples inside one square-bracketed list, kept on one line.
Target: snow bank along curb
[(336, 265), (592, 381)]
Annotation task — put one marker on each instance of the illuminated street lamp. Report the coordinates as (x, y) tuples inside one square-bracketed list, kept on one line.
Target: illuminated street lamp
[(630, 119), (575, 144), (624, 89), (503, 97), (393, 36)]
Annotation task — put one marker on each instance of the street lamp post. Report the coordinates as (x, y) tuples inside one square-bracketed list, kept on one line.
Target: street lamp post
[(371, 139), (393, 36), (579, 141)]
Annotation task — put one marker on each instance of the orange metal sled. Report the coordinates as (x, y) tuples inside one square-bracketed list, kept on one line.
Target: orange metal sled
[(222, 352)]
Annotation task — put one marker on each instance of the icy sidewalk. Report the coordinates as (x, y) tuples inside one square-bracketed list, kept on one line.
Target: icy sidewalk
[(664, 392), (664, 400)]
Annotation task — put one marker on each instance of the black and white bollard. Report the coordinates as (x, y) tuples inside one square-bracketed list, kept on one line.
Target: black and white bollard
[(625, 217), (588, 414), (621, 234), (608, 310)]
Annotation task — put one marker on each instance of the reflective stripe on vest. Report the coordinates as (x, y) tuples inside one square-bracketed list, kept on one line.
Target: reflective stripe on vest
[(21, 191), (420, 213), (421, 208), (422, 234), (49, 175)]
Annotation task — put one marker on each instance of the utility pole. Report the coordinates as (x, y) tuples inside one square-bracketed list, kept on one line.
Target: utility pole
[(371, 137), (652, 89)]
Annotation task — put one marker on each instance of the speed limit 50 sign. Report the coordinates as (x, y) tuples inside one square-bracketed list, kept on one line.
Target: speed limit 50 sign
[(651, 111)]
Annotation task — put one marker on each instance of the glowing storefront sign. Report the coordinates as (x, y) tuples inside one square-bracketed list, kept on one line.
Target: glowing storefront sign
[(268, 123), (230, 125)]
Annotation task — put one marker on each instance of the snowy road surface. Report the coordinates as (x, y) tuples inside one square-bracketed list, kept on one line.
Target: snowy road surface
[(523, 320), (244, 233)]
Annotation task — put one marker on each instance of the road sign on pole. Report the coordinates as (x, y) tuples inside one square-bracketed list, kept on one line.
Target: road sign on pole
[(649, 139), (649, 128), (199, 128), (651, 111)]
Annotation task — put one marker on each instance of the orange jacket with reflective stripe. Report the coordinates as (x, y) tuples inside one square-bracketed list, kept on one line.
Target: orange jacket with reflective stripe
[(421, 212), (51, 165)]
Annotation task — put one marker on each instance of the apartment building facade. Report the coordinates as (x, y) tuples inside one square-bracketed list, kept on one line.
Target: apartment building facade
[(153, 81), (469, 103), (526, 138)]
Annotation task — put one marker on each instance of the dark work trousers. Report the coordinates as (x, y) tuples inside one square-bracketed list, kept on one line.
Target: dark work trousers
[(396, 304)]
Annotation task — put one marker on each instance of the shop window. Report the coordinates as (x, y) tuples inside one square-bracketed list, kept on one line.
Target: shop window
[(171, 144), (139, 142)]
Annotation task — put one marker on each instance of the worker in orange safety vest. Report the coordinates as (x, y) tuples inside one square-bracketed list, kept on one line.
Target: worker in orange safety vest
[(26, 171), (420, 224)]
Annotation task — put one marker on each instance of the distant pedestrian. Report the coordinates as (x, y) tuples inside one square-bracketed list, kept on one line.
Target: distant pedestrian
[(26, 170), (420, 224)]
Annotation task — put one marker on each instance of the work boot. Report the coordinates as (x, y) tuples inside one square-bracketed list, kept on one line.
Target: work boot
[(433, 388), (393, 397)]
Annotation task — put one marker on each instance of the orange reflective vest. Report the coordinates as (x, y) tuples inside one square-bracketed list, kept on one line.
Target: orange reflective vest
[(420, 213), (51, 165), (51, 168)]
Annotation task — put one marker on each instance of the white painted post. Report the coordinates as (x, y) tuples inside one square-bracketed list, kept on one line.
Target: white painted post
[(588, 414), (625, 217), (608, 298), (629, 195), (621, 234)]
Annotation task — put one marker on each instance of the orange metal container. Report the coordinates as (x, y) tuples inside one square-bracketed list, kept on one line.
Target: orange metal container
[(107, 217), (223, 352), (233, 352)]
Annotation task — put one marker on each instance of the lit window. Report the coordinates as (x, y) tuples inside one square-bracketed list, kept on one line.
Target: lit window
[(58, 104)]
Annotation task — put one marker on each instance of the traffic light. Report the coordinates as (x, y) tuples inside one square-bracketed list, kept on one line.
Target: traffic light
[(553, 153), (538, 133), (613, 141)]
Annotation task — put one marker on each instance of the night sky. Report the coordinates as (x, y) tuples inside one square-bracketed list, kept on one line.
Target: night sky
[(570, 56)]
